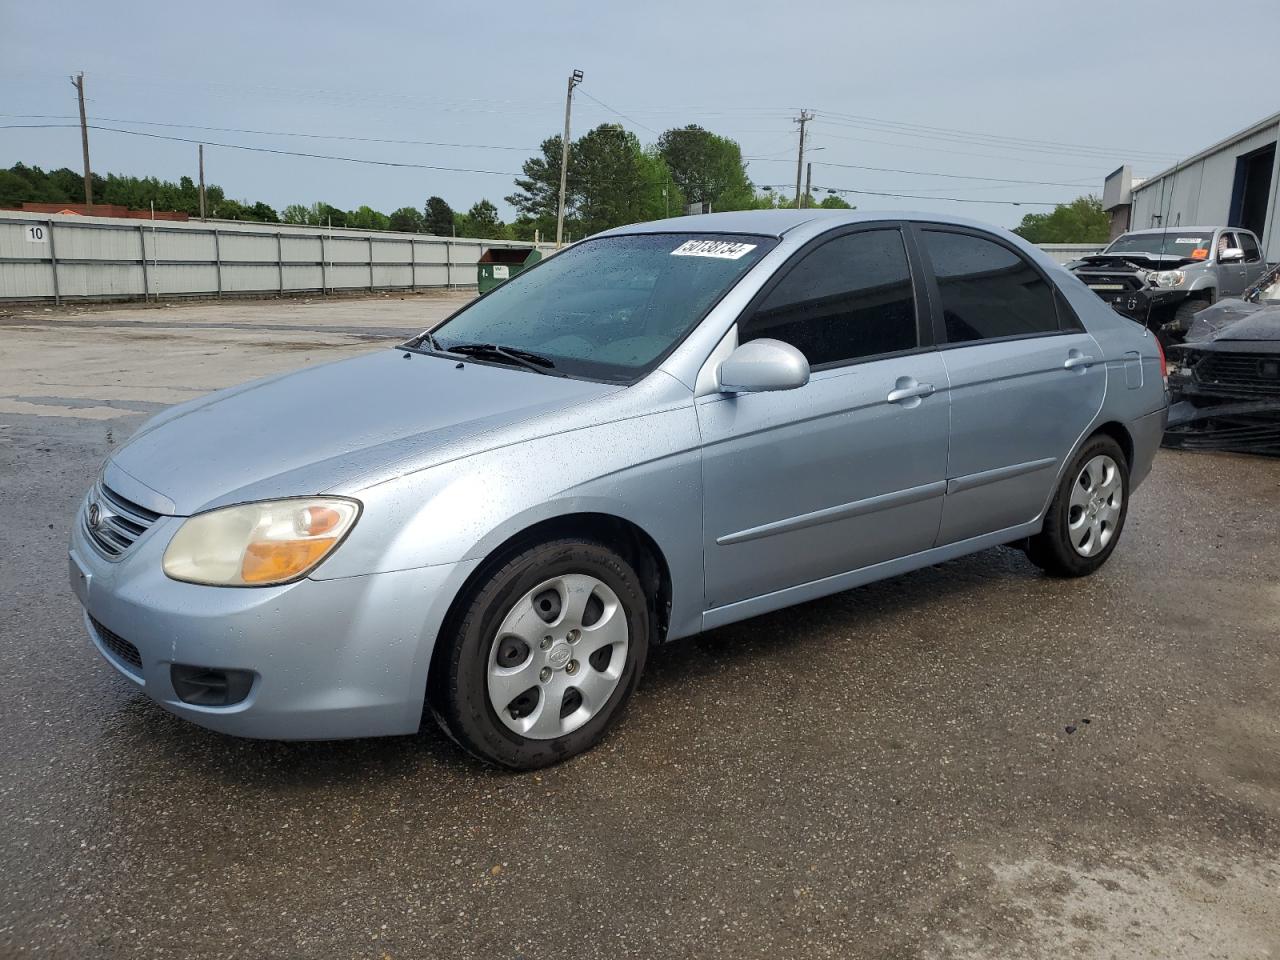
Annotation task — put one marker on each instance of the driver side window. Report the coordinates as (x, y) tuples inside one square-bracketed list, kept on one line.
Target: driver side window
[(848, 299)]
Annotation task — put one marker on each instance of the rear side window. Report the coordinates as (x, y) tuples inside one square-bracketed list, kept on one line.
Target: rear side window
[(1250, 247), (847, 299), (987, 290)]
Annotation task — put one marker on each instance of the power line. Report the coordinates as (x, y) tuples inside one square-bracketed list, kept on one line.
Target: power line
[(924, 173), (619, 113), (957, 153), (296, 153), (1054, 151), (955, 131), (286, 153), (912, 196), (281, 133)]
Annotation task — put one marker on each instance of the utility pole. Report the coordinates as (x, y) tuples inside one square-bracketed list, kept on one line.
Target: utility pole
[(575, 78), (78, 82), (808, 181), (202, 181), (805, 117)]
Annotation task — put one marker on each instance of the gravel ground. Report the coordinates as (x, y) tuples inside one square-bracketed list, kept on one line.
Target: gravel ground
[(968, 761)]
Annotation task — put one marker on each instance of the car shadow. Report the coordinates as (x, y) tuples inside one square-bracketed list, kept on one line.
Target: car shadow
[(144, 729), (809, 625)]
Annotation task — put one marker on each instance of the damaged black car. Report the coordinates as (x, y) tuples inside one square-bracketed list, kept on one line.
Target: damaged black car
[(1224, 380)]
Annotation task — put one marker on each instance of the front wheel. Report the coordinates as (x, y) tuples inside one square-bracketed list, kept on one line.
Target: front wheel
[(1087, 513), (548, 651)]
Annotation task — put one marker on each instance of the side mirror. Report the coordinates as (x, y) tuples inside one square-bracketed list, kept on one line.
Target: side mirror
[(1231, 255), (761, 365)]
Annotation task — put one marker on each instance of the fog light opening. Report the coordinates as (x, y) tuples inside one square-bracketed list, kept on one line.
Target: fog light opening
[(207, 687)]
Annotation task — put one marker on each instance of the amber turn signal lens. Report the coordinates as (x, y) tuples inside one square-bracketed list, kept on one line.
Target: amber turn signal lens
[(320, 520), (272, 561)]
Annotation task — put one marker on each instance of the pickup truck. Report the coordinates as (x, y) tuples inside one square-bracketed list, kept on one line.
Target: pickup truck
[(1164, 277)]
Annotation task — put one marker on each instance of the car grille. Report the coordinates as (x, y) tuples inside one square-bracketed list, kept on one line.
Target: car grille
[(113, 522), (1110, 283), (119, 647), (1240, 373)]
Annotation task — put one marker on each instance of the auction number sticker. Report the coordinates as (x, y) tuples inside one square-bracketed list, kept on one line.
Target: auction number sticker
[(718, 249)]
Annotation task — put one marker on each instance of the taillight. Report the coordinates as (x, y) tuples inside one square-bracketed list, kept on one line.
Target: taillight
[(1164, 364)]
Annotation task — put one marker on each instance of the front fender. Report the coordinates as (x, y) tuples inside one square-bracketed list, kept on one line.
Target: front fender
[(1202, 284), (646, 470)]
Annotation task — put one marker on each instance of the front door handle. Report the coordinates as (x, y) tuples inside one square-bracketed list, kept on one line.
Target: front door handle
[(1077, 360), (908, 389)]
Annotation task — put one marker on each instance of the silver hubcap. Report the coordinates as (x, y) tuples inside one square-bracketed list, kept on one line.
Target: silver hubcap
[(558, 656), (1094, 510)]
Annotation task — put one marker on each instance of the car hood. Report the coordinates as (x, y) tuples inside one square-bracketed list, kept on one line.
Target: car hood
[(1139, 261), (1233, 320), (319, 428)]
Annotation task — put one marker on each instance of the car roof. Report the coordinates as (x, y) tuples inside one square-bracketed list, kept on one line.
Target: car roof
[(776, 223)]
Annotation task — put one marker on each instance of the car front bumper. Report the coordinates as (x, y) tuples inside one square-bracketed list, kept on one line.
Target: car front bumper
[(1139, 304), (330, 659)]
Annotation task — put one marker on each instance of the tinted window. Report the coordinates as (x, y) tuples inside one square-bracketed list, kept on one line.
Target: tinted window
[(849, 298), (988, 291), (1250, 247)]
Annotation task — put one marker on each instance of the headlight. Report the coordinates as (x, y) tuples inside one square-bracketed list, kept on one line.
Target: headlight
[(259, 544), (1168, 278)]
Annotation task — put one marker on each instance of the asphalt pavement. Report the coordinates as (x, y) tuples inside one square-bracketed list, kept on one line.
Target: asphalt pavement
[(969, 761)]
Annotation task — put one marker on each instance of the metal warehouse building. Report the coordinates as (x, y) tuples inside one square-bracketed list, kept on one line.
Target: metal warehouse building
[(1234, 183)]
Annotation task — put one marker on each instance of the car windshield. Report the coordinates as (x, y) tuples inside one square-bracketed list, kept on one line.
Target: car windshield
[(606, 309), (1190, 245)]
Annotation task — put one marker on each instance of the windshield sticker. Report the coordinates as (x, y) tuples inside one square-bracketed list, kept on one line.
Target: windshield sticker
[(719, 249), (1200, 253), (1195, 240)]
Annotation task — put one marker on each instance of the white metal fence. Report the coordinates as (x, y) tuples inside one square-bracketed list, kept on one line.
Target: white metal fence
[(57, 257), (1066, 252)]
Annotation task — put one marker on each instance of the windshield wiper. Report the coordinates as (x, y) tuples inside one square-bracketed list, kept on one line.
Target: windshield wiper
[(501, 354), (415, 343)]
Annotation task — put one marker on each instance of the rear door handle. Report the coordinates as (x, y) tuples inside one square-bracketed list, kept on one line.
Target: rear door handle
[(1078, 360), (899, 394)]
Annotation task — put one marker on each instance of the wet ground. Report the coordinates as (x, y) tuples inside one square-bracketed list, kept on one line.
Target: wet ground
[(969, 761)]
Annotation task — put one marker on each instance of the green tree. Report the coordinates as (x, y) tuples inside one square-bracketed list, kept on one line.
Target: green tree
[(617, 182), (230, 210), (612, 180), (537, 193), (323, 214), (296, 213), (482, 221), (1081, 221), (264, 213), (438, 217), (406, 220), (366, 218), (707, 168)]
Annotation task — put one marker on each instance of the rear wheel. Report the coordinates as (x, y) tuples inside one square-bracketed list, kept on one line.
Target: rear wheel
[(547, 653), (1087, 513)]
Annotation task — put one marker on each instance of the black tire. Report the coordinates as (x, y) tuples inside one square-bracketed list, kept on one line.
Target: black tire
[(458, 692), (1185, 314), (1052, 549)]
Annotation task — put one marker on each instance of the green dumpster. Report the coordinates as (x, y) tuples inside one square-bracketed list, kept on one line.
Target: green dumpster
[(501, 263)]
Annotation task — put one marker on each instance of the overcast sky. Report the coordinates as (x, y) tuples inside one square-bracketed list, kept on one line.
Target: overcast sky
[(1058, 93)]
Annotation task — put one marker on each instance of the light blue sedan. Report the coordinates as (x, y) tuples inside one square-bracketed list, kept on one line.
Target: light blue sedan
[(665, 428)]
